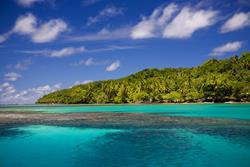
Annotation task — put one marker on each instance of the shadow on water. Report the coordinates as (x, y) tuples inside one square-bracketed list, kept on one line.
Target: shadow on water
[(11, 131), (163, 147), (148, 147)]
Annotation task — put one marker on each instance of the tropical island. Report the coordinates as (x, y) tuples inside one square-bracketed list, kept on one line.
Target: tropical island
[(214, 81)]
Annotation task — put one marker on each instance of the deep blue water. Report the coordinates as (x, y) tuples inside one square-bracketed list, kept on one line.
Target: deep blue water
[(53, 146)]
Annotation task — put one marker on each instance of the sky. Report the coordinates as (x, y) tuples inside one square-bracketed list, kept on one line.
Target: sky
[(47, 45)]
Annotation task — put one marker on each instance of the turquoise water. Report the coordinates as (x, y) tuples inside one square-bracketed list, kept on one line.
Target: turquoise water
[(196, 146), (238, 111), (49, 146)]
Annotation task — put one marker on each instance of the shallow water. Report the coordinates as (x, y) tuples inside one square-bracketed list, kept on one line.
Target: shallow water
[(192, 146), (39, 146), (238, 111)]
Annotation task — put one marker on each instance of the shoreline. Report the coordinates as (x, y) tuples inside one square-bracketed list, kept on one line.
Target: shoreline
[(121, 104)]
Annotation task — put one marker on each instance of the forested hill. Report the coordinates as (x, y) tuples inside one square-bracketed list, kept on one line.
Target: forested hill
[(215, 80)]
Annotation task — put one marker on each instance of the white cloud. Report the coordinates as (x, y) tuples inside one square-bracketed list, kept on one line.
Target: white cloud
[(112, 48), (9, 95), (49, 31), (28, 3), (87, 81), (22, 65), (69, 51), (28, 25), (104, 34), (188, 21), (64, 52), (76, 83), (162, 23), (25, 24), (12, 76), (226, 48), (114, 66), (89, 62), (6, 89), (144, 29), (106, 13), (149, 27), (4, 37), (81, 82), (167, 14), (236, 22), (2, 86)]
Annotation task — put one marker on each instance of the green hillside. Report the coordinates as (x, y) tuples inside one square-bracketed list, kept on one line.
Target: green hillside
[(213, 81)]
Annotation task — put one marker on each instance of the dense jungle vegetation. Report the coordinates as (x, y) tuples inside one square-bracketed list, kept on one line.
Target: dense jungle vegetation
[(213, 81)]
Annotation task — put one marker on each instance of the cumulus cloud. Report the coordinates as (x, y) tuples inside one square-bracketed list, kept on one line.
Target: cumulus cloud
[(236, 22), (28, 25), (49, 31), (25, 24), (106, 13), (188, 21), (114, 66), (12, 76), (150, 26), (226, 48), (164, 23), (64, 52), (9, 95), (28, 3)]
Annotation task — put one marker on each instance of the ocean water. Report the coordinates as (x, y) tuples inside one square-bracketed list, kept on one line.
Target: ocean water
[(191, 146), (40, 146), (235, 111)]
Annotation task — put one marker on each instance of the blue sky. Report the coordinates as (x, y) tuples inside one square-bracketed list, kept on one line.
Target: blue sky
[(46, 45)]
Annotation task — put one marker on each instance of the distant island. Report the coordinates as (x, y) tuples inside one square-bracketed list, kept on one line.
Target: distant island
[(214, 81)]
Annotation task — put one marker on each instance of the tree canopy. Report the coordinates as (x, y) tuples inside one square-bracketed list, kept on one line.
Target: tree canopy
[(214, 81)]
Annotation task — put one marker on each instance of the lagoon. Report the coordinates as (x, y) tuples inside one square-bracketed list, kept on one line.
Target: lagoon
[(234, 111), (221, 144)]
